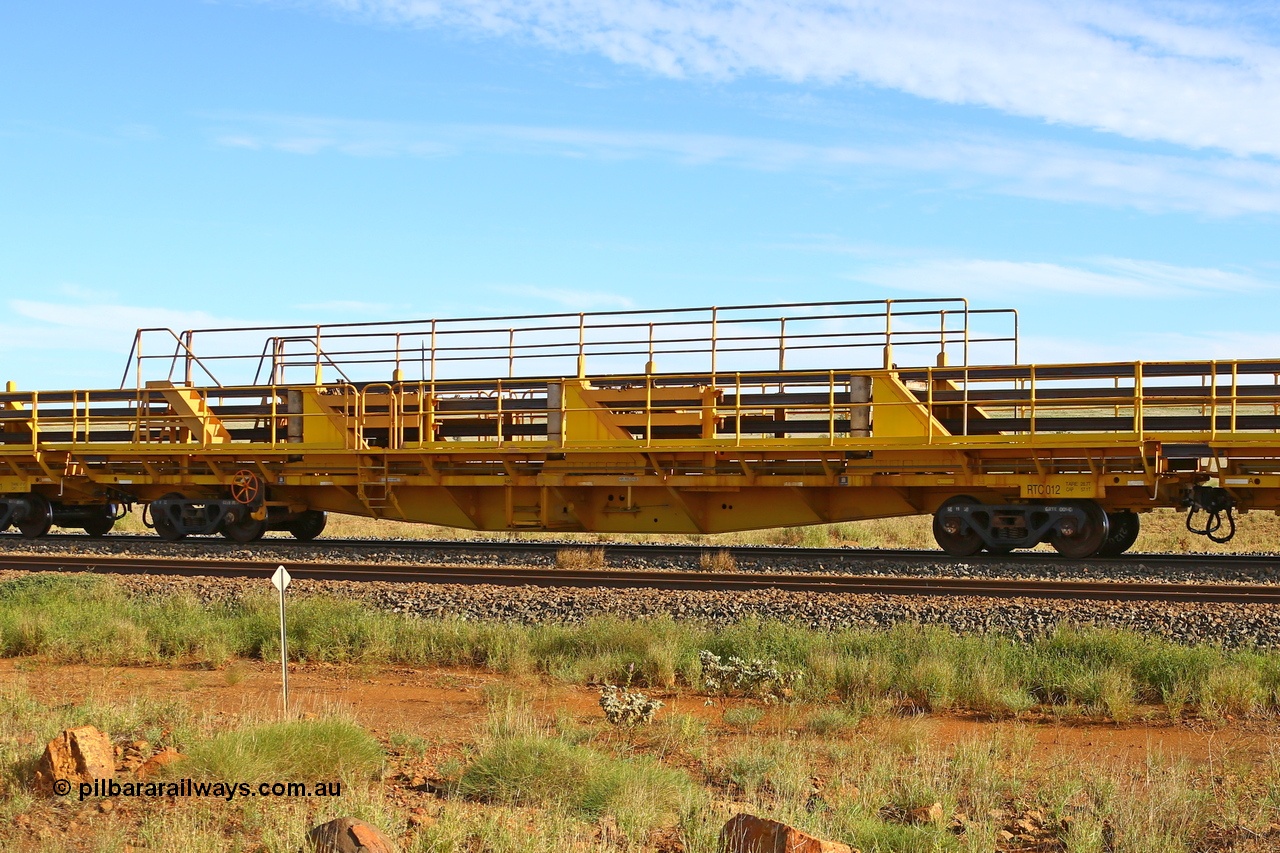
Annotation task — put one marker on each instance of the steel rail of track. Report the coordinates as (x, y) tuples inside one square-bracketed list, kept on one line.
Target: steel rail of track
[(674, 580), (667, 550)]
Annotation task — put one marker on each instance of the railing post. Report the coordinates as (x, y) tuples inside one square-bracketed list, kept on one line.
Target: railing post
[(831, 407), (1138, 395), (648, 411), (582, 346), (650, 366), (1033, 400), (1235, 375), (942, 337), (189, 346), (782, 343), (888, 334), (714, 334), (319, 367), (1213, 402), (737, 408), (499, 401)]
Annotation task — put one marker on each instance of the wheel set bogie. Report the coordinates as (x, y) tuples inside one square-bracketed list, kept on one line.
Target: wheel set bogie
[(1076, 528), (34, 515), (172, 516)]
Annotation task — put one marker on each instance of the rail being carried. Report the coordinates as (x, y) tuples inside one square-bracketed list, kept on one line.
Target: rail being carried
[(713, 340)]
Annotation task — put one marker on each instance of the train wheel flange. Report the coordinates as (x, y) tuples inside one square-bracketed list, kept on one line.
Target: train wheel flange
[(244, 530), (38, 518), (1122, 531), (101, 526), (952, 531), (164, 527), (308, 525), (1078, 541)]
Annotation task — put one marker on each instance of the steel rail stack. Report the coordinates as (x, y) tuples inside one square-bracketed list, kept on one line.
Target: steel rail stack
[(683, 421)]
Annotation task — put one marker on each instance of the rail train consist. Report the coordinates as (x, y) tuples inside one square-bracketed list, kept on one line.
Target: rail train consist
[(681, 421)]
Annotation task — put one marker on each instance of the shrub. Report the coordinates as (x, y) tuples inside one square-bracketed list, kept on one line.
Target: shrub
[(753, 677), (623, 707)]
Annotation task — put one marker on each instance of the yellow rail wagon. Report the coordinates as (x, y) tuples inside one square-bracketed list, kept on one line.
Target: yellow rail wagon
[(683, 421)]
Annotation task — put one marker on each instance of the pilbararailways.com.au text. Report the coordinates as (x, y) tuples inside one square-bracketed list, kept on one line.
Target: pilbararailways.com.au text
[(192, 788)]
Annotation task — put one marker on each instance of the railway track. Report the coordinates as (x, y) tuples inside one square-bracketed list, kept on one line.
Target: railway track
[(1198, 593), (824, 557)]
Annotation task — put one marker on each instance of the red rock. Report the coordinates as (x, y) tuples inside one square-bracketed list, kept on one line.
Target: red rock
[(77, 755), (746, 833), (927, 814), (153, 765), (348, 835)]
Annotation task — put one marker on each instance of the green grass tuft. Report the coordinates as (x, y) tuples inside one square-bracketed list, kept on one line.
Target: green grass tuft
[(304, 750)]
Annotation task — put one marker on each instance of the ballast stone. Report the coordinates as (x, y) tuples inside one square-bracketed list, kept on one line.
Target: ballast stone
[(347, 835), (745, 833), (77, 755)]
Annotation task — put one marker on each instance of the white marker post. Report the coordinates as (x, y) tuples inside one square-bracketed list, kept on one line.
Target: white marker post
[(280, 580)]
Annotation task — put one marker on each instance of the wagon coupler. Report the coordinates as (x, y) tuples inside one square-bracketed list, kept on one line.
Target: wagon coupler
[(1217, 504)]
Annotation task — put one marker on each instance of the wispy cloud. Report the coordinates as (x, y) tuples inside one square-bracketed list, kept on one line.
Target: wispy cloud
[(1197, 74), (1217, 185), (577, 300), (351, 307), (1150, 346), (1103, 277)]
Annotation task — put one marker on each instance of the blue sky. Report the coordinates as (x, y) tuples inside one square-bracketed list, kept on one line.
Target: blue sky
[(1110, 169)]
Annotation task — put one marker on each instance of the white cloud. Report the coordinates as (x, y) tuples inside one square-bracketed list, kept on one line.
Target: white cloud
[(1104, 277), (1220, 186), (1190, 74)]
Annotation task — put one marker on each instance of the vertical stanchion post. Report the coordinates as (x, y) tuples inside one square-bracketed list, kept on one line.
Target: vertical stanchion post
[(714, 332), (280, 580), (888, 334), (782, 343)]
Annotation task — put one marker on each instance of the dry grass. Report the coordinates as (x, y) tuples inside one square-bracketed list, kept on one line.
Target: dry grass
[(581, 559), (717, 561)]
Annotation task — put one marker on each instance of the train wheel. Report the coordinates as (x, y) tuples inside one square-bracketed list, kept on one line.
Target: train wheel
[(101, 526), (38, 520), (951, 530), (1122, 532), (1086, 541), (308, 525), (165, 528), (245, 530)]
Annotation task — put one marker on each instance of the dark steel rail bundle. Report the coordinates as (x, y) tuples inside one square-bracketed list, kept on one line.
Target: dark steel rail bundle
[(670, 580)]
